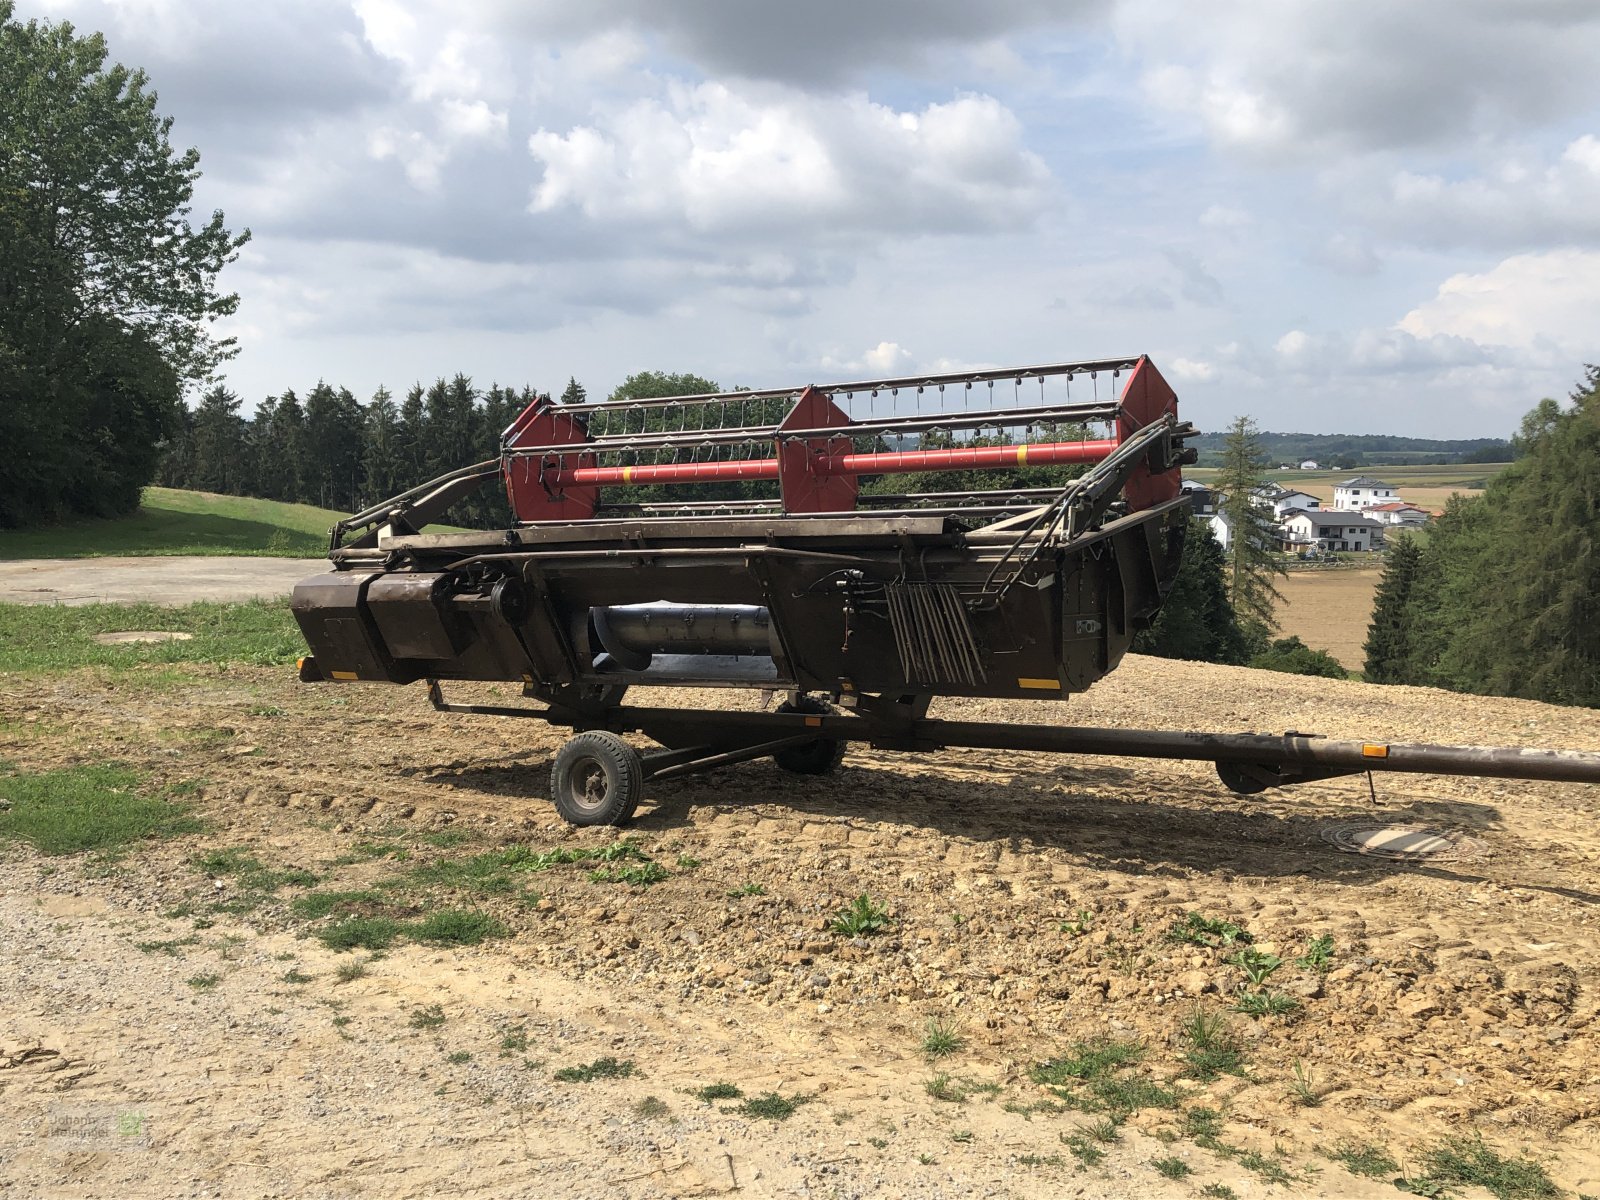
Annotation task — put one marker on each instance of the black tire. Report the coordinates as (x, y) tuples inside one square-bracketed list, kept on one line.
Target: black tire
[(596, 779), (820, 757)]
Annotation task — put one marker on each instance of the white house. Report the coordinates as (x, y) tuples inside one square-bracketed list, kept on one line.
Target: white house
[(1281, 499), (1397, 513), (1331, 530), (1222, 528), (1363, 492), (1310, 464)]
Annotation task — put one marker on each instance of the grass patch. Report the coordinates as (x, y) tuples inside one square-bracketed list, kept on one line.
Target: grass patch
[(1265, 1004), (718, 1091), (350, 972), (88, 808), (314, 905), (600, 1068), (1469, 1161), (458, 1057), (651, 1108), (1213, 1047), (861, 917), (295, 975), (1219, 1191), (770, 1106), (514, 1041), (172, 948), (456, 927), (1271, 1167), (362, 933), (203, 983), (747, 889), (1088, 1060), (1370, 1160), (249, 871), (40, 639), (941, 1039)]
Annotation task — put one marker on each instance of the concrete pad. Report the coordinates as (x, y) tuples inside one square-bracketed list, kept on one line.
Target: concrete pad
[(171, 581)]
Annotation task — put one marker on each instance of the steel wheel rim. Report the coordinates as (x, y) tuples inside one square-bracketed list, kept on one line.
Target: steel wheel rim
[(588, 785)]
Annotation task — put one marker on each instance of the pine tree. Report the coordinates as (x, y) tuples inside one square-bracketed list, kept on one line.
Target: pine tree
[(380, 451), (331, 461), (1390, 636), (1252, 545), (413, 438), (1196, 621), (575, 393), (218, 443)]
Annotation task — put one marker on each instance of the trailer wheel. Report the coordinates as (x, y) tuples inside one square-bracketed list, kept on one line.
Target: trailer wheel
[(810, 758), (596, 780)]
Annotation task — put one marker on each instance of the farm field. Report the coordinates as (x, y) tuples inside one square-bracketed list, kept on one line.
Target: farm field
[(354, 952), (1330, 610), (1428, 486)]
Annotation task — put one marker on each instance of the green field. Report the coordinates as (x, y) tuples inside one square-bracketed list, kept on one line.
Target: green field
[(1428, 487), (46, 638), (174, 522)]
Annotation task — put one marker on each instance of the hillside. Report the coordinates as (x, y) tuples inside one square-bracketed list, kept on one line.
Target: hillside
[(178, 522), (1360, 449)]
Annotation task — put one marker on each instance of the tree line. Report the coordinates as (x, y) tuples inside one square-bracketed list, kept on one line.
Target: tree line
[(1503, 599), (329, 449)]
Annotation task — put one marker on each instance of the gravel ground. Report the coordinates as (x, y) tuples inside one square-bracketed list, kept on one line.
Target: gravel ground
[(159, 580), (1030, 898)]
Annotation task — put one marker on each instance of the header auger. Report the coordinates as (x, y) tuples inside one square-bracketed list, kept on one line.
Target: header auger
[(790, 564)]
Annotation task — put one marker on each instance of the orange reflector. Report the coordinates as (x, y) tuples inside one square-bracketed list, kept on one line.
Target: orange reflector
[(1368, 750), (1040, 685), (346, 675), (814, 722)]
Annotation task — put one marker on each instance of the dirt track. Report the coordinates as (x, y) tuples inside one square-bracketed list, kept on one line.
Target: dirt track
[(1030, 895)]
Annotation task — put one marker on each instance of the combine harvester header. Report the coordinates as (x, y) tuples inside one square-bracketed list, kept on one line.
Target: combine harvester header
[(777, 570)]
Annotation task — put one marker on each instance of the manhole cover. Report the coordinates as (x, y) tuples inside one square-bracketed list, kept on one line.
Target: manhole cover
[(1403, 843), (141, 635)]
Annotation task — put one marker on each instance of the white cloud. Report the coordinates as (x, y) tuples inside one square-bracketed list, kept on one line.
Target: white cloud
[(1514, 203), (1193, 370), (1296, 80), (716, 160), (1537, 302)]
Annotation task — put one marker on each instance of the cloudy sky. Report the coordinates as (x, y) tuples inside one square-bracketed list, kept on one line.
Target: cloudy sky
[(1333, 215)]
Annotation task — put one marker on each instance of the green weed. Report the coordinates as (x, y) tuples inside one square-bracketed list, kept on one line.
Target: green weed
[(1213, 1048), (430, 1017), (1172, 1167), (718, 1091), (770, 1106), (1469, 1161), (1370, 1160), (643, 875), (1197, 930), (458, 1057), (651, 1108), (747, 889), (1219, 1191), (863, 916), (1318, 956), (1265, 1004), (1257, 965), (1082, 1149), (350, 972), (1303, 1087), (364, 933), (204, 983), (600, 1068)]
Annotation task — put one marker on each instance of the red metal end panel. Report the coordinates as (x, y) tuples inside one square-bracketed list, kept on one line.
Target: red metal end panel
[(803, 479), (1145, 398), (531, 480)]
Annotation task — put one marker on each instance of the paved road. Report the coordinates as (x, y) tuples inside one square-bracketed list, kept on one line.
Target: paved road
[(177, 580)]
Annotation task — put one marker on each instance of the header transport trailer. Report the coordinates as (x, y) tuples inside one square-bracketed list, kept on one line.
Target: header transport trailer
[(859, 603)]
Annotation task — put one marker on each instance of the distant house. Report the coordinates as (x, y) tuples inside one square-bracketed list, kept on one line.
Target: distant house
[(1398, 513), (1282, 499), (1363, 492), (1310, 464), (1201, 498), (1222, 528), (1330, 530)]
